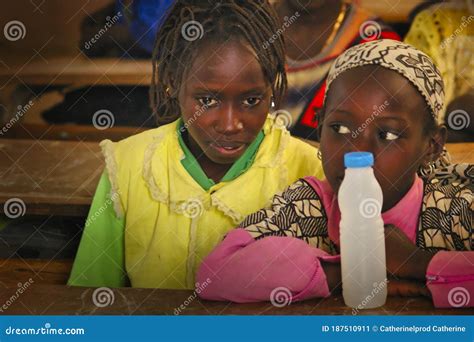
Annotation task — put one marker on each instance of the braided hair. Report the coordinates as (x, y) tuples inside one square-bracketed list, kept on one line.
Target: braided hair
[(189, 24)]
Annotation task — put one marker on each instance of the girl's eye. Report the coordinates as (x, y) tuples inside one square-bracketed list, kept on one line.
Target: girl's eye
[(341, 129), (389, 136), (252, 101), (208, 101)]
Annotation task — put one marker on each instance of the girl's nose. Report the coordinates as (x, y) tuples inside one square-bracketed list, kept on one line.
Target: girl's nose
[(361, 143), (228, 122)]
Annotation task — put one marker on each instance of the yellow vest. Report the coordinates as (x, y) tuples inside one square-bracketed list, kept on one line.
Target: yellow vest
[(172, 223)]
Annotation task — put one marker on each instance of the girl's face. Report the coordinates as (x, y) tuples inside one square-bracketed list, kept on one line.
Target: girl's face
[(224, 101), (376, 110)]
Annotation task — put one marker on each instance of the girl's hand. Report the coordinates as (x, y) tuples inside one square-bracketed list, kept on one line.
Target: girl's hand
[(407, 288), (404, 259), (333, 276), (396, 287)]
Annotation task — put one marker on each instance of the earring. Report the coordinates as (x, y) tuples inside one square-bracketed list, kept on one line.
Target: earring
[(427, 169), (320, 155), (240, 125), (272, 103)]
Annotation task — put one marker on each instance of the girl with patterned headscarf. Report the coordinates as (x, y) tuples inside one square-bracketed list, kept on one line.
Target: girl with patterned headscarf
[(383, 97)]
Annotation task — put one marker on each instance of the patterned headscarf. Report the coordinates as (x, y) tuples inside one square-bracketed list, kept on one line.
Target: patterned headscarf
[(409, 62)]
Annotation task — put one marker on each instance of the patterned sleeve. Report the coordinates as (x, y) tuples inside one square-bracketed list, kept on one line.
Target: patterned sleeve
[(448, 207), (296, 212)]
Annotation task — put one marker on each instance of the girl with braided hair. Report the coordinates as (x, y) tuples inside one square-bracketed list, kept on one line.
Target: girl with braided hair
[(170, 194)]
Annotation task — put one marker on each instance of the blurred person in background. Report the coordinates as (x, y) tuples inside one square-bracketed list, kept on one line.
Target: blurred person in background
[(445, 32)]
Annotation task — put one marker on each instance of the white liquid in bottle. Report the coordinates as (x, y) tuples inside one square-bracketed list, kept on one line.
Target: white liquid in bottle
[(363, 266)]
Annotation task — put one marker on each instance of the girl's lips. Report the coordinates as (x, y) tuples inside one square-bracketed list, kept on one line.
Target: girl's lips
[(228, 149)]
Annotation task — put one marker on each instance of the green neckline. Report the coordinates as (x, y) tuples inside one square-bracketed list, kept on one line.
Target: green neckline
[(240, 166)]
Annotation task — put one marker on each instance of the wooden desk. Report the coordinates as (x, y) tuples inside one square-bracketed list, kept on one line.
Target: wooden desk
[(50, 177), (60, 177), (61, 300), (47, 295), (45, 272), (461, 152)]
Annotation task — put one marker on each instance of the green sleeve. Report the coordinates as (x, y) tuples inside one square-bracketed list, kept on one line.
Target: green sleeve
[(100, 257)]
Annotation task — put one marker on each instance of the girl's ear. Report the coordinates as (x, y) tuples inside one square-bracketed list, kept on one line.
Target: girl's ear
[(436, 143)]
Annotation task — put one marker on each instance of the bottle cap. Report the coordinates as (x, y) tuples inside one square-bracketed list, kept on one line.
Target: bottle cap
[(358, 159)]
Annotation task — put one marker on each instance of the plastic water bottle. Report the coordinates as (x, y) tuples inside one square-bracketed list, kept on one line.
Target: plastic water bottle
[(363, 267)]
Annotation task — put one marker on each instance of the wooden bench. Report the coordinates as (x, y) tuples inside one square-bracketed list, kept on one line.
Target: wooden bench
[(79, 70), (69, 132), (70, 72), (60, 177)]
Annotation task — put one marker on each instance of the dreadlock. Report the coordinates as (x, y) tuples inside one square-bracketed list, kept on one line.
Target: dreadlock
[(189, 24)]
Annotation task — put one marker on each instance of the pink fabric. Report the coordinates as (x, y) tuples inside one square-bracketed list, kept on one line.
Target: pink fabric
[(242, 269), (450, 279)]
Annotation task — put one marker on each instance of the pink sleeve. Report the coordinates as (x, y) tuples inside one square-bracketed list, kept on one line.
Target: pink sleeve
[(450, 279), (242, 269)]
